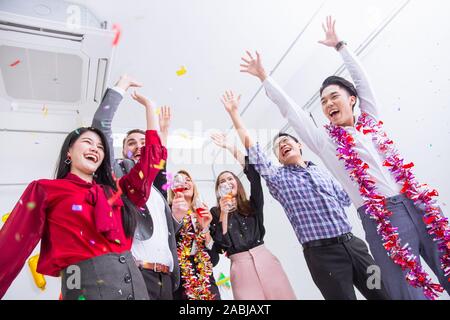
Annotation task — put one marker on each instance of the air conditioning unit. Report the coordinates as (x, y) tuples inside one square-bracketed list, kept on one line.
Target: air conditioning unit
[(53, 52)]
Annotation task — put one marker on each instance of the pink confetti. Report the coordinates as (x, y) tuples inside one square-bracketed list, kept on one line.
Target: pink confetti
[(92, 242)]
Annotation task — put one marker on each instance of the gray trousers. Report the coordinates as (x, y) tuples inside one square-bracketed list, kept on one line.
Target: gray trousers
[(112, 276), (411, 229)]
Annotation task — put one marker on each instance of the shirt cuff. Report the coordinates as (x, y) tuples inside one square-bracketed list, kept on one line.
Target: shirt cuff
[(119, 90), (210, 244)]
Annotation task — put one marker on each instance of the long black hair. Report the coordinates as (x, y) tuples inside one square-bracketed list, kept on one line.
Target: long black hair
[(102, 176)]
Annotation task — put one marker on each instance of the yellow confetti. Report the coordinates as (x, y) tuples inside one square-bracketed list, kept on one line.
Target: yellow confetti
[(158, 111), (182, 71), (117, 241), (161, 164), (39, 279), (31, 205), (141, 175), (5, 217), (45, 110), (185, 136)]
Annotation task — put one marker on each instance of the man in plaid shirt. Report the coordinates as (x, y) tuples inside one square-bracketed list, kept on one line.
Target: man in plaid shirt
[(315, 205)]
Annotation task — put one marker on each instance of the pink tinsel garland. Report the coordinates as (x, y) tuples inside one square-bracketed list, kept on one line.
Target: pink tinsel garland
[(375, 203)]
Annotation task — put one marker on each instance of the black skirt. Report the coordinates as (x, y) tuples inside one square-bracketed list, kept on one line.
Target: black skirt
[(112, 276)]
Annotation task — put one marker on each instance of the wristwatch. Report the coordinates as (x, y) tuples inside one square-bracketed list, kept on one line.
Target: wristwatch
[(340, 44)]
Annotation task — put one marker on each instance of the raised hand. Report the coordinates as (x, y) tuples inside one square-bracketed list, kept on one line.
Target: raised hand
[(331, 38), (253, 66), (220, 140), (230, 101), (165, 116), (141, 99), (125, 82)]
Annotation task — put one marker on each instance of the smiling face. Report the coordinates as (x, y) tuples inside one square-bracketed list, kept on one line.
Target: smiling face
[(189, 187), (287, 150), (337, 105), (229, 179), (86, 153), (132, 146)]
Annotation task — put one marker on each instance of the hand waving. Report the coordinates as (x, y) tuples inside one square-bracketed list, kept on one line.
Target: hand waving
[(331, 38), (253, 66)]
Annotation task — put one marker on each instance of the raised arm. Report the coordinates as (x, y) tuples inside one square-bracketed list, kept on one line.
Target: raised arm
[(137, 183), (21, 233), (221, 141), (366, 95), (104, 115), (296, 116)]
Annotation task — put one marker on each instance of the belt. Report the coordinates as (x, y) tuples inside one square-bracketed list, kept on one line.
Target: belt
[(328, 242), (155, 267)]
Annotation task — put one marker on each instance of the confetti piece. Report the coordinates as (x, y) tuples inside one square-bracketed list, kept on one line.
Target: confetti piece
[(77, 207), (185, 136), (5, 217), (129, 154), (18, 237), (20, 201), (92, 242), (118, 31), (15, 63), (81, 297), (161, 164), (182, 71), (106, 107), (45, 110), (131, 191), (110, 214), (100, 282), (120, 291), (39, 279), (31, 205), (223, 281), (141, 175), (117, 241), (158, 111)]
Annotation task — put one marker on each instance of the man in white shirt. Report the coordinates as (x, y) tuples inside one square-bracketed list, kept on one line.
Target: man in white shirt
[(154, 246), (338, 97)]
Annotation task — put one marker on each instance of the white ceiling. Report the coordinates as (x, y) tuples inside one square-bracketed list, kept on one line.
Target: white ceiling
[(208, 37)]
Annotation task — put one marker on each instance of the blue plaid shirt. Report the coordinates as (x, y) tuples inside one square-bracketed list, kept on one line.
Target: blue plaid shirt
[(313, 201)]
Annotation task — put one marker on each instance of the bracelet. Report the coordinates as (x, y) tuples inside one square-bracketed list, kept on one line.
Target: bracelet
[(340, 44)]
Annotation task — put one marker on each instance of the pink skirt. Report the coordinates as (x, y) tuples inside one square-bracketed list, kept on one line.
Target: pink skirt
[(258, 275)]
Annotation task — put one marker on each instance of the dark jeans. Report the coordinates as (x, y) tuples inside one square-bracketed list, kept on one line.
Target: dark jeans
[(336, 268), (159, 285), (411, 229)]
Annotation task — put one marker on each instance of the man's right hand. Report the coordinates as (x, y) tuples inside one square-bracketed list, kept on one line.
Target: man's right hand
[(253, 66), (125, 82)]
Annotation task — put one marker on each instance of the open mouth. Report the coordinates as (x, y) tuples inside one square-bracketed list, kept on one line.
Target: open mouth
[(285, 151), (334, 113), (91, 157)]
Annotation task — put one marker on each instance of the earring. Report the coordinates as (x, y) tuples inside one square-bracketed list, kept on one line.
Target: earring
[(68, 161)]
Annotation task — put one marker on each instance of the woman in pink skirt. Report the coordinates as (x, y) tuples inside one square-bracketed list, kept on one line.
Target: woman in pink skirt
[(238, 229)]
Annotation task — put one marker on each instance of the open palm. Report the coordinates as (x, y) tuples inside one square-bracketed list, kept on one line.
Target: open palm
[(253, 66), (331, 38), (219, 139)]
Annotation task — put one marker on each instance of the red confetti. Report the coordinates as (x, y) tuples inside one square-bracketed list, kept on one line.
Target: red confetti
[(118, 30), (15, 63)]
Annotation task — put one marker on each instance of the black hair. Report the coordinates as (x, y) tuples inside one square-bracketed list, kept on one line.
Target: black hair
[(284, 134), (342, 83), (102, 176)]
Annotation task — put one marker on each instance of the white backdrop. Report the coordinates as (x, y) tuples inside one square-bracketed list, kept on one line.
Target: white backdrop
[(409, 67)]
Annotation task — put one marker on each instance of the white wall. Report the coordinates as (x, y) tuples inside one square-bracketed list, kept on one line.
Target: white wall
[(408, 63)]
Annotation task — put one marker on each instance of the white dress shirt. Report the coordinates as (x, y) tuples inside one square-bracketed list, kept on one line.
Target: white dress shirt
[(156, 249), (318, 140)]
